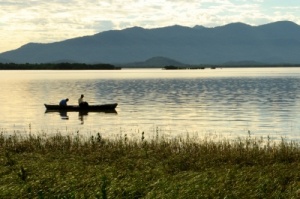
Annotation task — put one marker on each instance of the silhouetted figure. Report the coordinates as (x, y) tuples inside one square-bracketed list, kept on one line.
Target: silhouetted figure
[(82, 103), (63, 102)]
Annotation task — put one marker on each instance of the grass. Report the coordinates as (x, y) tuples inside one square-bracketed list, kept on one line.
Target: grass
[(61, 166)]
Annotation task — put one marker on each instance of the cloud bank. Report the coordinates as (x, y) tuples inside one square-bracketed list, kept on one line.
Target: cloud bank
[(49, 21)]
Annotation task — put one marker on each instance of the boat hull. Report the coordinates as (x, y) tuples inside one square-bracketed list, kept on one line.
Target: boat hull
[(90, 108)]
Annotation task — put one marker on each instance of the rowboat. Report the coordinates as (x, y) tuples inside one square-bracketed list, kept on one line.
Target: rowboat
[(90, 108)]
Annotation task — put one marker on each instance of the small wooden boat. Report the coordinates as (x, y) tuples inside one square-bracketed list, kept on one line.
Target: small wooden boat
[(90, 108)]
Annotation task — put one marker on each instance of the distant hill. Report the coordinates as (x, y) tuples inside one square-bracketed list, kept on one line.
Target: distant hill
[(272, 43), (2, 60), (154, 62)]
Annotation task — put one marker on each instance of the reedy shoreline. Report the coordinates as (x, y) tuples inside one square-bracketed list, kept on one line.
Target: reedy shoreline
[(61, 166)]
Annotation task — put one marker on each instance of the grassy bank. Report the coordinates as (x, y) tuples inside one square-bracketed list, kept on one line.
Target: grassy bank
[(76, 167)]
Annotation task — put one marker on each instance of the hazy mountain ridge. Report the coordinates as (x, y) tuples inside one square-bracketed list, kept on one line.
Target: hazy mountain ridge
[(154, 62), (273, 43)]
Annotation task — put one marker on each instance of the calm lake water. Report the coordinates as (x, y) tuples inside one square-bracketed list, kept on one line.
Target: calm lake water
[(217, 103)]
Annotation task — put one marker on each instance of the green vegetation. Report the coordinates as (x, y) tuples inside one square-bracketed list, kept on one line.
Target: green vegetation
[(58, 66), (191, 67), (37, 166), (182, 68)]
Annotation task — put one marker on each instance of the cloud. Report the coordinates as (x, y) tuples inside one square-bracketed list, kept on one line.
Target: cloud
[(48, 21)]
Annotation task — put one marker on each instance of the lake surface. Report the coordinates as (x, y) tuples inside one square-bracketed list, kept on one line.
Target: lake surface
[(214, 103)]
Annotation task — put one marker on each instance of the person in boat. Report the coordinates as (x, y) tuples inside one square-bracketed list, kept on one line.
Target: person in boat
[(63, 102), (81, 102)]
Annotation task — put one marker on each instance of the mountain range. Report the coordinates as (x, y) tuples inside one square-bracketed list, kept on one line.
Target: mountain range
[(273, 43)]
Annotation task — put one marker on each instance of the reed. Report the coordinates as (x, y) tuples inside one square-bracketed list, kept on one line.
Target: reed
[(64, 166)]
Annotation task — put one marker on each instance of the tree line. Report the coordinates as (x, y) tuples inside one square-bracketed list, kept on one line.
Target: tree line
[(57, 66)]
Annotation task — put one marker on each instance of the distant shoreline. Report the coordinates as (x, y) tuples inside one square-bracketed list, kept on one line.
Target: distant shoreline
[(83, 66), (58, 66), (228, 66)]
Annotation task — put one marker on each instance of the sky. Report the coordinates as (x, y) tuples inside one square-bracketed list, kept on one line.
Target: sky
[(46, 21)]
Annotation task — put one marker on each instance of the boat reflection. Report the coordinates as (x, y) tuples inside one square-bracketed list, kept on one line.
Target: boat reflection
[(81, 114), (64, 115)]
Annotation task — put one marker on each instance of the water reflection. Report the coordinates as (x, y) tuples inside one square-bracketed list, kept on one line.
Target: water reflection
[(82, 115), (63, 115), (234, 101)]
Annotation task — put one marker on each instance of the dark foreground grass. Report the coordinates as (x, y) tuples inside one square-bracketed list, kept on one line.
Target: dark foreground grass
[(75, 167)]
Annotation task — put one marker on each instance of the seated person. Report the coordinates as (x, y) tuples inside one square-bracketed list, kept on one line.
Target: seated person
[(82, 103), (63, 102)]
